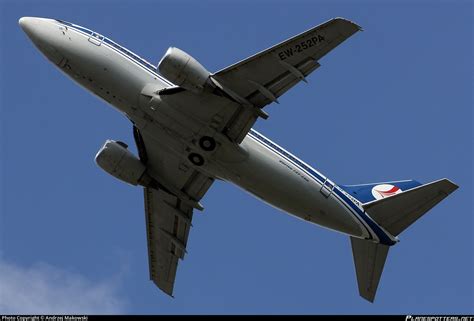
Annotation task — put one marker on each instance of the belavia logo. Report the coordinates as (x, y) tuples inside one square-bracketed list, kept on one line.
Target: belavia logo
[(384, 190)]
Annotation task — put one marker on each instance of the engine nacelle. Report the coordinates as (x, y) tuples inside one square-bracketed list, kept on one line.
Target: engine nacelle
[(183, 70), (118, 161)]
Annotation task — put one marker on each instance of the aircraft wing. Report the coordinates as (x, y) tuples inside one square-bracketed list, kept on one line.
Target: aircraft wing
[(265, 76), (168, 217)]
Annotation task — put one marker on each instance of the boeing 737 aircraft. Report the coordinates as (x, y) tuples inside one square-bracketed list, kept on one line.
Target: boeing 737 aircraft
[(192, 127)]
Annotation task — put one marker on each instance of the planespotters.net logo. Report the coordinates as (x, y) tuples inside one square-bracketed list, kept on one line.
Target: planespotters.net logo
[(439, 318), (385, 190)]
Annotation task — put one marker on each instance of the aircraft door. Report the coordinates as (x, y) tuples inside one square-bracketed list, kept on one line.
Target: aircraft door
[(327, 188), (96, 38)]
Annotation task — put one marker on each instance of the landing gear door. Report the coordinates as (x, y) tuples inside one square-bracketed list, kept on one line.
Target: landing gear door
[(327, 188), (96, 38)]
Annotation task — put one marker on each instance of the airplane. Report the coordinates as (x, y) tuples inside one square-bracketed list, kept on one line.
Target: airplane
[(192, 127)]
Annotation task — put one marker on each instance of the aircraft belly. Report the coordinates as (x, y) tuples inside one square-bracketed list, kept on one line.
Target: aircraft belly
[(267, 176)]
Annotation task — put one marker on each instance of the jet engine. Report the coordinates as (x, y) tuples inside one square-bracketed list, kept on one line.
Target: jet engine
[(185, 71), (118, 161)]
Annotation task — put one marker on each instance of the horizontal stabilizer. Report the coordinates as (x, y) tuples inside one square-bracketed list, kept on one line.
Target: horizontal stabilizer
[(369, 260), (399, 211)]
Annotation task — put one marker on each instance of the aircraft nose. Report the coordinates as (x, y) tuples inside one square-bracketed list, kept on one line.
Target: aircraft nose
[(45, 36), (35, 28), (27, 24)]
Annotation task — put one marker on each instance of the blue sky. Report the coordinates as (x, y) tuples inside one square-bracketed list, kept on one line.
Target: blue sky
[(393, 102)]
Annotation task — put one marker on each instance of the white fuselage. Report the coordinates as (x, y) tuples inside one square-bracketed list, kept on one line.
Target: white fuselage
[(258, 165)]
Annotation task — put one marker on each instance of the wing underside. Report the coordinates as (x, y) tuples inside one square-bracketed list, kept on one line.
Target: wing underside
[(167, 224), (265, 76), (168, 217)]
